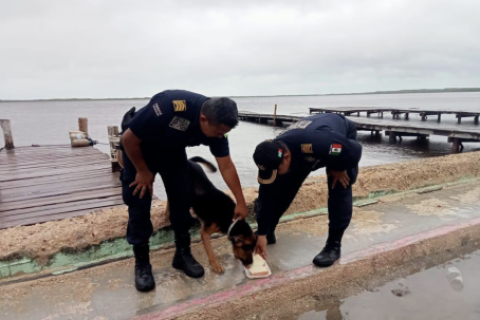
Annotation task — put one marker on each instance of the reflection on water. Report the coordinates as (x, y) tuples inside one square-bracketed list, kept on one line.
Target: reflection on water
[(441, 287), (330, 311)]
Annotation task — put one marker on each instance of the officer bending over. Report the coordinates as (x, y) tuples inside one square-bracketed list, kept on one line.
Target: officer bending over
[(324, 140)]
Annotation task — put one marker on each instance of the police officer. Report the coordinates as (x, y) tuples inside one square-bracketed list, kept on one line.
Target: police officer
[(324, 140), (155, 142)]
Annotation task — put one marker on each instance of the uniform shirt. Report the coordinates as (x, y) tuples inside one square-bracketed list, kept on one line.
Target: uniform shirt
[(324, 140), (171, 120)]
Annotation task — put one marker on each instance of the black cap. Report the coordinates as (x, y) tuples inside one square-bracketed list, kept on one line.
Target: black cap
[(268, 156)]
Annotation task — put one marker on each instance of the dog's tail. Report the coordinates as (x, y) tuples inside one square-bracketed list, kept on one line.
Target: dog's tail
[(206, 163)]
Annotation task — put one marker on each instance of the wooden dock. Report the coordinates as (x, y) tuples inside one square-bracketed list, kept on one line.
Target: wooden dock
[(397, 113), (40, 184), (394, 128)]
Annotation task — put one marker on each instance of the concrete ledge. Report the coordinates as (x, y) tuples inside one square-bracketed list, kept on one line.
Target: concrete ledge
[(304, 281), (115, 249)]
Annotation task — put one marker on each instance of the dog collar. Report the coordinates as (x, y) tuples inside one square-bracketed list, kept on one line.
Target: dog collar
[(231, 227)]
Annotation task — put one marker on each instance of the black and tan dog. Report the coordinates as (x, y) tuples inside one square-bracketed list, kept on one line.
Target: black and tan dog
[(215, 210)]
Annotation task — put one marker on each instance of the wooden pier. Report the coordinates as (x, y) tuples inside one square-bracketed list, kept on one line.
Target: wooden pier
[(39, 184), (52, 182), (397, 113), (394, 128)]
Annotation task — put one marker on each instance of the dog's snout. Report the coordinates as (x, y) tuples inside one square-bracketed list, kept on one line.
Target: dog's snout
[(248, 261)]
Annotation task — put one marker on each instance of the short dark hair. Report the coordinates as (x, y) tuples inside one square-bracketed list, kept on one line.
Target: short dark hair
[(221, 111)]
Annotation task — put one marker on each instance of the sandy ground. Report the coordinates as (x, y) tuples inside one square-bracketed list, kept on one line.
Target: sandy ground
[(44, 240), (41, 241)]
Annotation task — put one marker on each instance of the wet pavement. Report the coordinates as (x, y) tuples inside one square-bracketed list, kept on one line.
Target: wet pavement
[(434, 290), (107, 292)]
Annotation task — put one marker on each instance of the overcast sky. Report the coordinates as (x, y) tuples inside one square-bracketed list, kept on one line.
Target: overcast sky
[(103, 48)]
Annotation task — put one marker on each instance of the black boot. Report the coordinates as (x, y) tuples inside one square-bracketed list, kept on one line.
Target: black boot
[(184, 259), (331, 252), (271, 238), (143, 269)]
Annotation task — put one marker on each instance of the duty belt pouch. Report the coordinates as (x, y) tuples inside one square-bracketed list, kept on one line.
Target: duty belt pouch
[(126, 123)]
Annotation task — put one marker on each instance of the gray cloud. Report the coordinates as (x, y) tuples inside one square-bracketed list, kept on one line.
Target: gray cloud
[(137, 48)]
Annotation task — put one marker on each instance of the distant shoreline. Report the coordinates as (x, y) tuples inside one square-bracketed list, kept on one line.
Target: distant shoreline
[(446, 90)]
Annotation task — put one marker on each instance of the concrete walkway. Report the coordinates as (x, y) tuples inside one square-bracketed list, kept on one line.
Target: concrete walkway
[(107, 292)]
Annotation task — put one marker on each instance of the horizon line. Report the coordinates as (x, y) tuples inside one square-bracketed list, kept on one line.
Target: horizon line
[(404, 91)]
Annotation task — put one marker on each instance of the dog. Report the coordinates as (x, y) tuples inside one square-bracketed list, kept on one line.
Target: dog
[(215, 209)]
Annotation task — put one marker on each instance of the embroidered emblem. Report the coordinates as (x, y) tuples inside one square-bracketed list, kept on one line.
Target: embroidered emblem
[(307, 148), (157, 110), (280, 153), (260, 167), (179, 123), (335, 149), (302, 124), (179, 105)]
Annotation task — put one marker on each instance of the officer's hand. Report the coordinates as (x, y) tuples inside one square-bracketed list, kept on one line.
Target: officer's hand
[(143, 181), (262, 247), (241, 212), (341, 177)]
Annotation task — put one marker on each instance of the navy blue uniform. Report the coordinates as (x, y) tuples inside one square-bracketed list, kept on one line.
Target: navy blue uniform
[(166, 126), (324, 140)]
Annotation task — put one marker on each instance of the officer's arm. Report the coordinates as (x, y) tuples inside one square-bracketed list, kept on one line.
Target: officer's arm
[(131, 144), (265, 212), (342, 153), (148, 124), (230, 175), (144, 178), (349, 154), (265, 216)]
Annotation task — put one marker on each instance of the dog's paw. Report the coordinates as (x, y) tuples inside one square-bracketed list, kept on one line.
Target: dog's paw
[(217, 268)]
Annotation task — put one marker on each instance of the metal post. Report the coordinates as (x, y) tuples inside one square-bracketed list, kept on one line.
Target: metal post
[(392, 137), (456, 145), (7, 133), (275, 116), (114, 141)]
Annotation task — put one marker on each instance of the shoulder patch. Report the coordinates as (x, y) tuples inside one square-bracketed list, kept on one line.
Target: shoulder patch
[(179, 105), (179, 123), (307, 148), (157, 110)]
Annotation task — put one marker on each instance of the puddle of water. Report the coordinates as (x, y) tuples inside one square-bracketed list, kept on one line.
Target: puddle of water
[(444, 287)]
